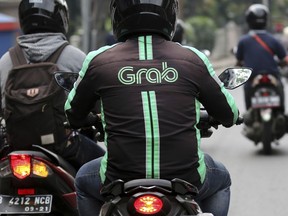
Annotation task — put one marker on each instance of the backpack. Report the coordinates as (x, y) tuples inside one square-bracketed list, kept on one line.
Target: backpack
[(34, 109)]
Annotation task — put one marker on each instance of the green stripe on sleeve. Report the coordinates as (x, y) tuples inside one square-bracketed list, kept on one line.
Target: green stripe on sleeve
[(202, 167), (83, 71), (228, 96)]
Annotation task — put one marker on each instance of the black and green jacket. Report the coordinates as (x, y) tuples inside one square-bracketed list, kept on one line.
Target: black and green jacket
[(150, 91)]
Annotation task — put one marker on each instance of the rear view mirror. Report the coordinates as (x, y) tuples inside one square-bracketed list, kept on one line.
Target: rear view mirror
[(66, 80), (235, 77)]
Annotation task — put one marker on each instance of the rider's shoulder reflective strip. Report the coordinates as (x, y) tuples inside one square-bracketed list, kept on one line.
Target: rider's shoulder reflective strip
[(83, 71)]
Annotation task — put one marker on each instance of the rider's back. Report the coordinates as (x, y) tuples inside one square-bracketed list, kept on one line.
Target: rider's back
[(150, 100), (255, 56)]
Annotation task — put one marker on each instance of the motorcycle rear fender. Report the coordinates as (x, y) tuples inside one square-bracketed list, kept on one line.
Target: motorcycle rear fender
[(176, 185)]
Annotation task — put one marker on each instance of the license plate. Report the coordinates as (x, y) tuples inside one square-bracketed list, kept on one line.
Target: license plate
[(268, 101), (25, 204)]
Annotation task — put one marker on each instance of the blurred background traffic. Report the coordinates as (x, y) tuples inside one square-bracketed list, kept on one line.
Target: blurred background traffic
[(208, 24)]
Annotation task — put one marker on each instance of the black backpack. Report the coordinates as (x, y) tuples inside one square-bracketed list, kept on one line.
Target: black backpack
[(34, 103)]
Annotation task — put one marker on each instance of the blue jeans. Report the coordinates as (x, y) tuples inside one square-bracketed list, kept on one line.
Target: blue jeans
[(214, 194), (88, 185), (82, 150)]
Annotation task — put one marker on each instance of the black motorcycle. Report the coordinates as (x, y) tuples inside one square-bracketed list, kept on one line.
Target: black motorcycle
[(265, 120), (159, 197), (150, 197)]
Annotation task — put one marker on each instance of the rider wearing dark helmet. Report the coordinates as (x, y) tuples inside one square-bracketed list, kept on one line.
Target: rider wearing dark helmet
[(47, 16), (150, 90), (257, 16), (258, 49), (44, 25)]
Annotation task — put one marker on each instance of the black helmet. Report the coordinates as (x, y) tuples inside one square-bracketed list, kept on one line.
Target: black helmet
[(143, 16), (257, 16), (37, 16), (179, 32)]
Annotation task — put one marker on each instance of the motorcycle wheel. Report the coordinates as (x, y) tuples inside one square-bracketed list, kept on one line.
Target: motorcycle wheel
[(267, 137)]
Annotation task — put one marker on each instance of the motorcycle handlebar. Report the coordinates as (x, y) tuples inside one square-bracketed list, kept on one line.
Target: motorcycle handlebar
[(205, 124), (208, 121), (92, 120)]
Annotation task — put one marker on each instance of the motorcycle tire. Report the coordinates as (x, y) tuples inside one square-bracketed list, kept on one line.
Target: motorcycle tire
[(267, 137)]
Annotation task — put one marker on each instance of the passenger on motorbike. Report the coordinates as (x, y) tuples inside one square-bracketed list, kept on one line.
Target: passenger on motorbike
[(150, 90), (44, 25), (262, 55)]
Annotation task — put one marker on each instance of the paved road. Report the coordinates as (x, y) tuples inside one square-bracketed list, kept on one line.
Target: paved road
[(259, 182)]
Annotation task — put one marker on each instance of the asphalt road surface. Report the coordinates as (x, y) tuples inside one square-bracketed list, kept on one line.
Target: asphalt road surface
[(259, 182)]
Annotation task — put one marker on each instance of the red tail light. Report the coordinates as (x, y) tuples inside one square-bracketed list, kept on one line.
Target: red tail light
[(265, 79), (21, 165), (26, 191), (265, 94), (148, 204)]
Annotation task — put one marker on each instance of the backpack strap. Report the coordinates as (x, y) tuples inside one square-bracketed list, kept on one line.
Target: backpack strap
[(17, 56), (54, 57)]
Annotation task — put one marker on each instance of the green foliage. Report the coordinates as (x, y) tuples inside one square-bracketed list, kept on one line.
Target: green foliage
[(200, 32)]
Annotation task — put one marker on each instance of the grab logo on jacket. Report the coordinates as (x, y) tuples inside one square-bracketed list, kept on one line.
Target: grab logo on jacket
[(128, 76)]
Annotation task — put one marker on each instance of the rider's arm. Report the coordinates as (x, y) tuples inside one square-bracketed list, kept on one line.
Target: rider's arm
[(82, 99), (239, 54), (218, 102), (281, 53)]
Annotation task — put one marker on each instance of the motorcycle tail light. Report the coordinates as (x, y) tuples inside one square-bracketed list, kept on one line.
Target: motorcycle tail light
[(265, 93), (21, 165), (40, 169), (26, 191), (148, 204), (265, 79)]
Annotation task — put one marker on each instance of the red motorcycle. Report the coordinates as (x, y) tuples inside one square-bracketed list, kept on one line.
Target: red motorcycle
[(37, 182)]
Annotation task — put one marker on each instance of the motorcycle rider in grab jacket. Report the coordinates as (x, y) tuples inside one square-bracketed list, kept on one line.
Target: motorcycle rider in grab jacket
[(150, 90), (44, 26), (250, 53)]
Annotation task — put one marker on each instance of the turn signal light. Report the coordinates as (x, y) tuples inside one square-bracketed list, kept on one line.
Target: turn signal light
[(148, 204), (40, 169), (21, 165)]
